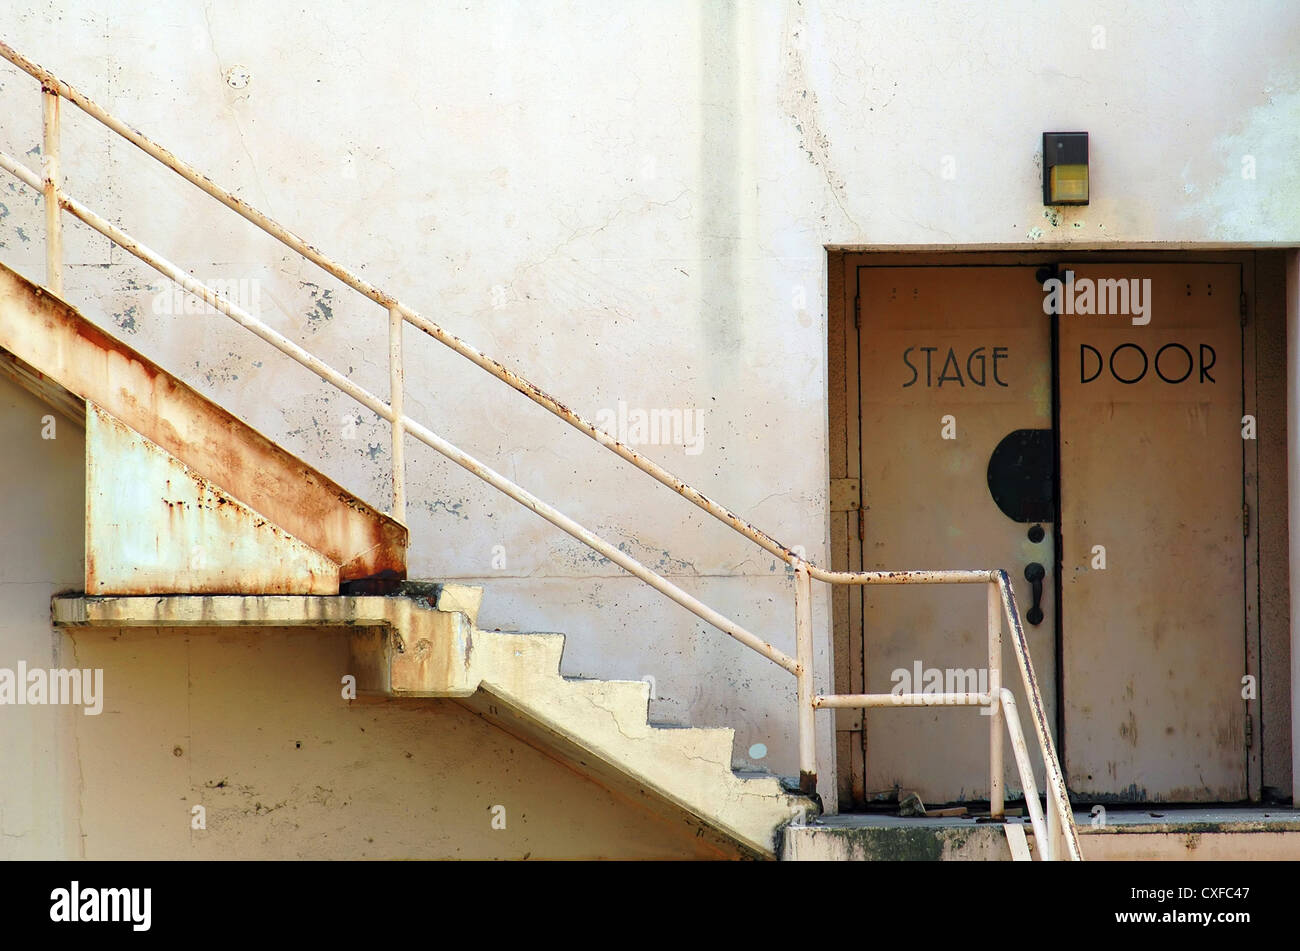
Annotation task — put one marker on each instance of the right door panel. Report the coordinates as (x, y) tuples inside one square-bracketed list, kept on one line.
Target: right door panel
[(1153, 643)]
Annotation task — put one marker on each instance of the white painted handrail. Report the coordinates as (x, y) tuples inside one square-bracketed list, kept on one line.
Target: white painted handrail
[(1057, 835), (1001, 595)]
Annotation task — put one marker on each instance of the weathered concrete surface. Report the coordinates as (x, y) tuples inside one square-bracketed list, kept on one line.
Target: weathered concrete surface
[(417, 653), (1131, 846), (1205, 834), (629, 205), (907, 841), (401, 648), (1173, 835), (154, 524), (47, 334), (540, 734), (462, 598)]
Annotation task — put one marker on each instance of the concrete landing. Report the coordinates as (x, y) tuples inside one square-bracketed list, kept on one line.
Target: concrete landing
[(1154, 834)]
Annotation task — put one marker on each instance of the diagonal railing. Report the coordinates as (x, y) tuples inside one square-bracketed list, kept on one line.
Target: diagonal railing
[(1057, 831)]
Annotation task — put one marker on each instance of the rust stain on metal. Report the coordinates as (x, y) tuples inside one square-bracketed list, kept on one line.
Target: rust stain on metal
[(384, 582), (154, 525), (90, 363)]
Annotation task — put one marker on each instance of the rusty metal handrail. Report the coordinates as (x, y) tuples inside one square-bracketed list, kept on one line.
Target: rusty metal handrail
[(389, 412), (1057, 831), (49, 184), (56, 88)]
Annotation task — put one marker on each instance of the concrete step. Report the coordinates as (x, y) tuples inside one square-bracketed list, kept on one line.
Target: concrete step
[(546, 650), (1174, 834), (627, 701)]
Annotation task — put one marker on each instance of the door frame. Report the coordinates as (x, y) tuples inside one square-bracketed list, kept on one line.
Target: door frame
[(845, 491)]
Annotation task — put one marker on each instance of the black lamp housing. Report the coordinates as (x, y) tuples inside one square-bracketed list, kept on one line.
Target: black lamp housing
[(1065, 168)]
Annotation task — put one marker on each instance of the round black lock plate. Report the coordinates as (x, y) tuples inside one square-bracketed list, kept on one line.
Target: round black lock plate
[(1020, 475)]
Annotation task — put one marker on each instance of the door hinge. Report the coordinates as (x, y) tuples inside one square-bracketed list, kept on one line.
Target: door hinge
[(844, 494), (1243, 308), (1250, 731), (1245, 519), (862, 524)]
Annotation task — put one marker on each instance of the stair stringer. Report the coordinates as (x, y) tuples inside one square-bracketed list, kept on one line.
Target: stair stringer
[(51, 349), (690, 767), (154, 524)]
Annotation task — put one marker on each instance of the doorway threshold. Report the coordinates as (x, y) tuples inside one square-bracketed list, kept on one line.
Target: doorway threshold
[(1152, 833)]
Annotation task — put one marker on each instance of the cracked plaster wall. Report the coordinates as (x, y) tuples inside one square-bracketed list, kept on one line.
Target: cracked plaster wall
[(626, 206)]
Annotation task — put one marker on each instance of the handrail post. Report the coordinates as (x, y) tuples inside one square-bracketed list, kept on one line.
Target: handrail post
[(996, 801), (1056, 830), (1020, 750), (53, 213), (804, 655), (1050, 851), (1066, 838), (395, 402)]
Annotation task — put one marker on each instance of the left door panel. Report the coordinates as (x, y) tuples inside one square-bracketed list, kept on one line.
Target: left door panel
[(953, 362)]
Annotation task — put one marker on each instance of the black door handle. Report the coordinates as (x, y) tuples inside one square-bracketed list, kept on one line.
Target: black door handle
[(1034, 573)]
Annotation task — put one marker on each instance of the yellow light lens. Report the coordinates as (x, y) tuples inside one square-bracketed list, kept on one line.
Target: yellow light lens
[(1069, 183)]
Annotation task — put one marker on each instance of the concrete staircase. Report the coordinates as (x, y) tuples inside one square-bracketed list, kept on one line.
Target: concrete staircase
[(196, 520), (605, 724), (423, 642)]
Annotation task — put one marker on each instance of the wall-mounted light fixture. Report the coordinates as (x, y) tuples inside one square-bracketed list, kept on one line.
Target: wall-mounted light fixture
[(1065, 168)]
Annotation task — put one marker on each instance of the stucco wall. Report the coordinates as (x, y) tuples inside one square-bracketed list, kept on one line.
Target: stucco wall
[(42, 490), (251, 725), (628, 205)]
